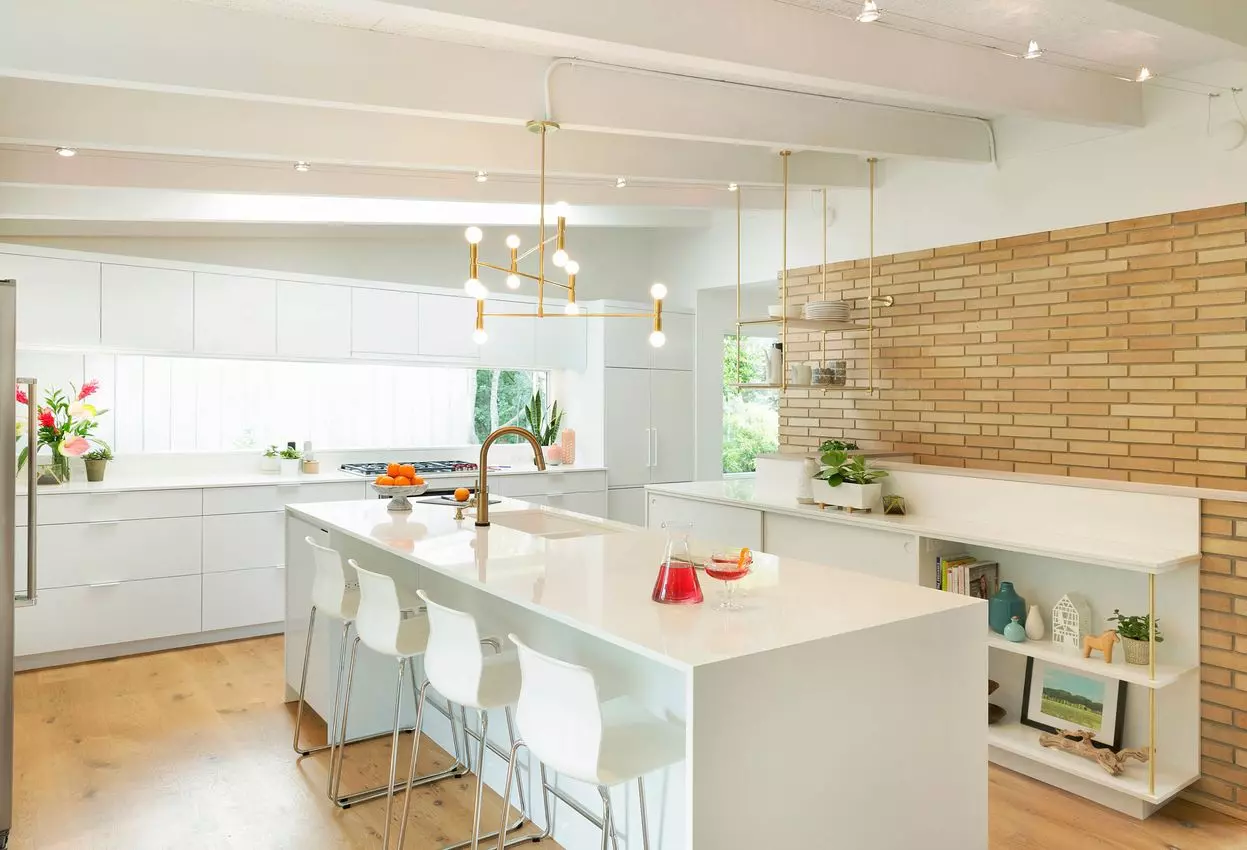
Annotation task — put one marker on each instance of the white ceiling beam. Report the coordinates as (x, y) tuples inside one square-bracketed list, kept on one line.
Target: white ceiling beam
[(1223, 19), (35, 112), (177, 48), (737, 39)]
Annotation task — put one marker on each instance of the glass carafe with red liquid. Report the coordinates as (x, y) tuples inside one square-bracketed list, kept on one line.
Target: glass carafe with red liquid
[(677, 577)]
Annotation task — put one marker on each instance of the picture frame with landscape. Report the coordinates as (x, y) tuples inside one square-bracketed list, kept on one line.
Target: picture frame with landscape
[(1056, 698)]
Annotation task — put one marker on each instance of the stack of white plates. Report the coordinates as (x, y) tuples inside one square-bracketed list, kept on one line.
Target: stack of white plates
[(826, 311)]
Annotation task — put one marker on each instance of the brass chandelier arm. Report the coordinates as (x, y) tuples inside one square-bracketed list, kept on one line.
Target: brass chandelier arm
[(649, 315), (535, 248), (517, 273)]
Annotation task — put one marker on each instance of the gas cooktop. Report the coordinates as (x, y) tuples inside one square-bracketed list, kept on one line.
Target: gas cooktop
[(424, 467)]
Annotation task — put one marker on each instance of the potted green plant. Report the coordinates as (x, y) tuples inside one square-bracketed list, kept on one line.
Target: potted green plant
[(290, 457), (270, 461), (838, 446), (847, 482), (1134, 633), (545, 426), (97, 460)]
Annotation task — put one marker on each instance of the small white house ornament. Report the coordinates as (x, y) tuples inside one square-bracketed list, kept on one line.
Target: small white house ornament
[(1070, 618)]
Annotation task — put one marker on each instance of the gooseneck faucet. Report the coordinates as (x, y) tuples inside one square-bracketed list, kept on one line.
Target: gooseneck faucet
[(482, 483)]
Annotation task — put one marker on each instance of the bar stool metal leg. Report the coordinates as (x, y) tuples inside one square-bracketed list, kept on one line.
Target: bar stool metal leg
[(480, 780), (389, 796), (607, 824), (512, 767), (640, 793), (307, 657)]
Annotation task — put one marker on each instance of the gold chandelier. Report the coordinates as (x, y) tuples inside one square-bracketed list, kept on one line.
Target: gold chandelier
[(559, 258)]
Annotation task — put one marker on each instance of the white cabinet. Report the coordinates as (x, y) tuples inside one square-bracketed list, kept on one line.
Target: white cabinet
[(562, 343), (886, 554), (240, 598), (313, 320), (243, 541), (386, 321), (649, 426), (593, 503), (57, 508), (146, 309), (721, 525), (58, 301), (118, 551), (512, 343), (626, 504), (235, 315), (679, 350), (269, 498), (446, 325), (626, 341)]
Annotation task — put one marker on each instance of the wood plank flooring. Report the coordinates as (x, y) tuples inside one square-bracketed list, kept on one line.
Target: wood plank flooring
[(190, 749)]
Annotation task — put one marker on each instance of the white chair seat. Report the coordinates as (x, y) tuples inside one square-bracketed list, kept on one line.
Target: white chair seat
[(634, 743)]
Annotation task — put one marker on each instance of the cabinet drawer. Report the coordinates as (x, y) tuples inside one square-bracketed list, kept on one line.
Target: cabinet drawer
[(58, 508), (243, 541), (244, 598), (275, 497), (593, 504), (76, 617), (553, 482), (91, 553)]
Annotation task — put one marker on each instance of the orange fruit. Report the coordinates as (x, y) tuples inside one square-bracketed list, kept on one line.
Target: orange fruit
[(393, 470), (402, 481), (462, 494), (407, 471), (385, 480), (418, 481)]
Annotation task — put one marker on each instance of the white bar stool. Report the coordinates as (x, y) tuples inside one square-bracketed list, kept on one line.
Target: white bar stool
[(388, 627), (455, 665), (565, 726)]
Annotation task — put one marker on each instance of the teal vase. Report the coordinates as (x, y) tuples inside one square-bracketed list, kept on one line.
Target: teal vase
[(1015, 631), (1004, 606)]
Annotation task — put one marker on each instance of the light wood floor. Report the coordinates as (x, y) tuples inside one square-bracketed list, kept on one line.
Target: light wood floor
[(191, 749)]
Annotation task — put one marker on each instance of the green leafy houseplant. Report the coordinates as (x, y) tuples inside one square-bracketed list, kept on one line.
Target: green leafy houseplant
[(288, 453), (839, 468), (544, 424), (1134, 627), (838, 446), (271, 451), (101, 453)]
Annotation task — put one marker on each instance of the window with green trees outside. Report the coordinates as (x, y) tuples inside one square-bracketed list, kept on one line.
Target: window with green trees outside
[(750, 417)]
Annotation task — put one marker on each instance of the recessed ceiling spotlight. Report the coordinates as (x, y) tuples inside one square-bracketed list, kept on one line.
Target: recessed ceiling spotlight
[(621, 183), (732, 187), (1033, 50), (67, 151), (1144, 75), (482, 176), (302, 166), (870, 13)]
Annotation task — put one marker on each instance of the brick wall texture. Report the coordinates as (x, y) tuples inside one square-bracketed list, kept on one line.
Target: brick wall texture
[(1114, 351)]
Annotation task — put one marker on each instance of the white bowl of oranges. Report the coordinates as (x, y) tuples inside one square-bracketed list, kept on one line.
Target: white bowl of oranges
[(399, 482)]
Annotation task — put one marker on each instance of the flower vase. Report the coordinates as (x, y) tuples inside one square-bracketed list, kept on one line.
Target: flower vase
[(1034, 624), (1004, 606), (56, 472)]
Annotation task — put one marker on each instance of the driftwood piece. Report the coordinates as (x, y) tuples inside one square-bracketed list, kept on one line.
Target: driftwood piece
[(1079, 743), (1103, 642)]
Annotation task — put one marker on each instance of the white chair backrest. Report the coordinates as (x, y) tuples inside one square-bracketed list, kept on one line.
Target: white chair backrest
[(380, 612), (331, 580), (453, 659), (558, 713)]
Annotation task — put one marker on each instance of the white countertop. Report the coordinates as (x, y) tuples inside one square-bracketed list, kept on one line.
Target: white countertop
[(201, 480), (601, 584), (1145, 557)]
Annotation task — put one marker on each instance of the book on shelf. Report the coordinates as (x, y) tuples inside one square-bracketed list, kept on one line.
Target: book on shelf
[(967, 576), (944, 567)]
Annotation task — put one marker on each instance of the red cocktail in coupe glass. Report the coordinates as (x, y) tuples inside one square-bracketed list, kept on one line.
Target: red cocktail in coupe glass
[(729, 566)]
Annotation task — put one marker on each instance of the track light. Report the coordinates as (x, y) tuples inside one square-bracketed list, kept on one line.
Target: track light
[(67, 151), (732, 187), (1033, 50), (482, 176), (870, 13), (621, 183), (1144, 75)]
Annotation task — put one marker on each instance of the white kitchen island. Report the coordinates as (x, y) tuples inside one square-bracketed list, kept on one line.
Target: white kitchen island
[(837, 710)]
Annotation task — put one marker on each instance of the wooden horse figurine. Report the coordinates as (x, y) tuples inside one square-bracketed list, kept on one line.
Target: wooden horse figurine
[(1103, 642)]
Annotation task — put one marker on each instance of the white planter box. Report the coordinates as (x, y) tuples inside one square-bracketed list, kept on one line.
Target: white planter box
[(290, 466), (860, 497), (270, 464)]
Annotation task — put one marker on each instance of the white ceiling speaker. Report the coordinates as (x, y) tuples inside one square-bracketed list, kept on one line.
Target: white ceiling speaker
[(1228, 135)]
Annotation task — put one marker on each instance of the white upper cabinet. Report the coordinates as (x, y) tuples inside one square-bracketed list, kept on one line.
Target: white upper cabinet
[(147, 309), (562, 343), (446, 325), (58, 301), (386, 321), (629, 435), (512, 343), (235, 315), (313, 320), (678, 352), (627, 340), (673, 437)]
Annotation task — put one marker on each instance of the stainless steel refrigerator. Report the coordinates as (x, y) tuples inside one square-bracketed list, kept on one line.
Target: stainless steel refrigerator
[(8, 547)]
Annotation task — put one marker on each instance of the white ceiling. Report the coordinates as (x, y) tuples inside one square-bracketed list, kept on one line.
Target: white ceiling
[(1074, 32)]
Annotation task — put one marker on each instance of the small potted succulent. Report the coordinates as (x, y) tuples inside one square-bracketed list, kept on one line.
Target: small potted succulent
[(290, 457), (1133, 631), (270, 461), (847, 482), (97, 459)]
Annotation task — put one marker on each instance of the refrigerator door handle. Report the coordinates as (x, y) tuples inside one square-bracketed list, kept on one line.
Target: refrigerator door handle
[(30, 597)]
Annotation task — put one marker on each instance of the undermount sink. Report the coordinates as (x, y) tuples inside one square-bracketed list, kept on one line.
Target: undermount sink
[(542, 524)]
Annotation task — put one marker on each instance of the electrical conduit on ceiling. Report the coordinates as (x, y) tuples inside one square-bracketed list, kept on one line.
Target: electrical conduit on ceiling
[(571, 62)]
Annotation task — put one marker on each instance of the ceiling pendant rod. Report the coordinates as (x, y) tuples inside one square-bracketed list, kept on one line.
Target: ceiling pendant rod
[(541, 228), (783, 284)]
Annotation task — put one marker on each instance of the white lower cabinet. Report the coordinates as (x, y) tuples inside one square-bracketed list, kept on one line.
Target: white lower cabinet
[(886, 554), (109, 552), (626, 504), (243, 541), (100, 615), (240, 598), (592, 503), (722, 525)]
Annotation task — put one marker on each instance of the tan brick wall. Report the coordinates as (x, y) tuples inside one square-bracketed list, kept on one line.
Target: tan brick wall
[(1113, 351)]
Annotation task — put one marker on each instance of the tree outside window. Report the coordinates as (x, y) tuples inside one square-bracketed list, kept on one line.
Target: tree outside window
[(501, 395), (750, 417)]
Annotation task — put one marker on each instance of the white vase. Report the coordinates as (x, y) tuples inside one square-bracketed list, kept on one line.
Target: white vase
[(1034, 624), (290, 466), (859, 497), (269, 464)]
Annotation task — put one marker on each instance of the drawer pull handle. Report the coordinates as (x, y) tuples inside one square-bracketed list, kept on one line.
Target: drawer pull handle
[(108, 523), (104, 584)]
